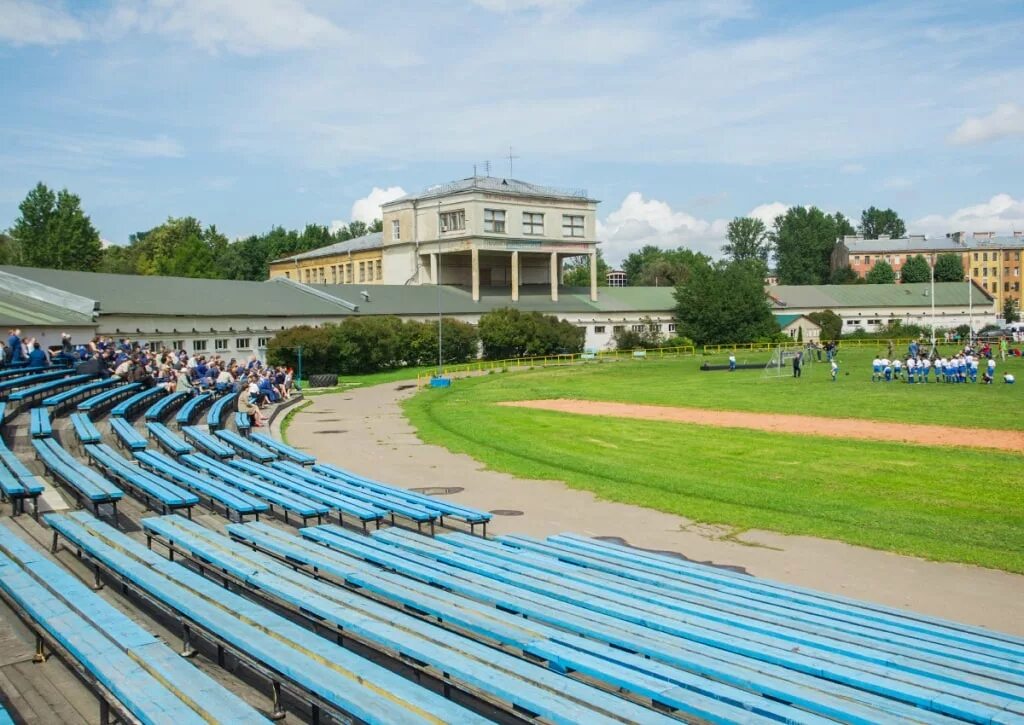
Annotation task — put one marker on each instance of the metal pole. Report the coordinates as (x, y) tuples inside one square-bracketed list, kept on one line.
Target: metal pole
[(439, 336), (970, 302), (300, 363), (933, 303)]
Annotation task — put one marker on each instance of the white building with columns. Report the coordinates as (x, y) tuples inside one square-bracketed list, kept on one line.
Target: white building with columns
[(488, 232)]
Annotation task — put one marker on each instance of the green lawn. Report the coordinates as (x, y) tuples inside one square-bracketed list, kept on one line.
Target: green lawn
[(940, 503)]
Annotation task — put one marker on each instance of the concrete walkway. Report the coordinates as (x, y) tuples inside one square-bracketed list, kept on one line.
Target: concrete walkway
[(365, 431)]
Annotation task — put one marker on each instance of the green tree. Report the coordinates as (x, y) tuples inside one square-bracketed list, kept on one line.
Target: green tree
[(804, 239), (1011, 311), (830, 323), (881, 273), (916, 269), (509, 333), (844, 275), (635, 263), (53, 231), (10, 250), (748, 239), (577, 272), (949, 267), (876, 222), (656, 267), (724, 302)]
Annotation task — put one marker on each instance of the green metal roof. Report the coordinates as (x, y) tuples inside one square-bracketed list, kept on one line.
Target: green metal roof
[(785, 320), (836, 296), (182, 296), (18, 310)]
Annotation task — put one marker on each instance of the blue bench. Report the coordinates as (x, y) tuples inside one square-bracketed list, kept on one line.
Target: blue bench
[(126, 434), (100, 401), (60, 399), (15, 372), (24, 378), (129, 407), (17, 483), (85, 429), (317, 670), (444, 508), (167, 440), (5, 717), (150, 488), (162, 408), (189, 410), (136, 675), (231, 498), (246, 447), (206, 442), (417, 514), (43, 389), (215, 416), (39, 423), (514, 684), (242, 422), (362, 511), (289, 502), (283, 449), (84, 482)]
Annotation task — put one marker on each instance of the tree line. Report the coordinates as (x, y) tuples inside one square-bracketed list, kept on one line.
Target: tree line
[(53, 231)]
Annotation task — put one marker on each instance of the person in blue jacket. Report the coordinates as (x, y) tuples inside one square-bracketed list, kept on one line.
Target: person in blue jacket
[(17, 354), (38, 357)]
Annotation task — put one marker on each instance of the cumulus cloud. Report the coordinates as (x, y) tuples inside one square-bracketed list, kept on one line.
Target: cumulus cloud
[(639, 221), (1005, 121), (24, 22), (368, 208), (1001, 214), (245, 27)]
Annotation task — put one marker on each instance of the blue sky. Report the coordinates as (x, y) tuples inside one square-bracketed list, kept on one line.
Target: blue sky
[(677, 115)]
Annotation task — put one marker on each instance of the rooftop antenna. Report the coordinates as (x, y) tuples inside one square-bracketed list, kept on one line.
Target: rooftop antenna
[(511, 157)]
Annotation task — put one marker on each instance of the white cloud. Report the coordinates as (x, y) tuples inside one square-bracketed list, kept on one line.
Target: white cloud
[(245, 27), (24, 22), (1001, 214), (368, 208), (514, 6), (1005, 121), (639, 221), (852, 169)]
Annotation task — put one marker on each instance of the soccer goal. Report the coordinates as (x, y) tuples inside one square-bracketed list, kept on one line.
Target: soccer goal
[(780, 364)]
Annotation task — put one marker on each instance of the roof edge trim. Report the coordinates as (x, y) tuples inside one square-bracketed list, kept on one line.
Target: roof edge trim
[(316, 293)]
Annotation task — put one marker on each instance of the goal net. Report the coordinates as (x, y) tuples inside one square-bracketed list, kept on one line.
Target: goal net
[(780, 364)]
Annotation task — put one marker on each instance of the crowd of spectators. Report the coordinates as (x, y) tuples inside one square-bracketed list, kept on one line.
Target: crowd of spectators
[(256, 384)]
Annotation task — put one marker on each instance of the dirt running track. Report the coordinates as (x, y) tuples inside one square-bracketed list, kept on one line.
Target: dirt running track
[(929, 435)]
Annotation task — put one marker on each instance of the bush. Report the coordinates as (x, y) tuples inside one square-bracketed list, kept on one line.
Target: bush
[(509, 333), (319, 350)]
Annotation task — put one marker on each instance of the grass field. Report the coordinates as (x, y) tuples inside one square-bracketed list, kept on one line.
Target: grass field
[(941, 503)]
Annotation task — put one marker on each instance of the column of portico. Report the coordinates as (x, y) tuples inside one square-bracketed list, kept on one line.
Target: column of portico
[(554, 276), (593, 277), (435, 270), (475, 263), (515, 276)]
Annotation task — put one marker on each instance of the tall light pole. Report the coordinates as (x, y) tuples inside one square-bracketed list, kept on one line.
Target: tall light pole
[(438, 272), (932, 293)]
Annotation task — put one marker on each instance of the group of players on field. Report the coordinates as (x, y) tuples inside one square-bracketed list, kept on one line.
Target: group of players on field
[(962, 367)]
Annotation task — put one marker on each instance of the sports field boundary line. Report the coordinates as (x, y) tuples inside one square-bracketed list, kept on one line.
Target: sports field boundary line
[(811, 425)]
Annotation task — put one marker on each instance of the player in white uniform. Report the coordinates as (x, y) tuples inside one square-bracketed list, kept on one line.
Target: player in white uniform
[(897, 369), (911, 369), (925, 366), (876, 369)]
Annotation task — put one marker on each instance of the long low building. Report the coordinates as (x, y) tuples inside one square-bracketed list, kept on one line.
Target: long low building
[(239, 319)]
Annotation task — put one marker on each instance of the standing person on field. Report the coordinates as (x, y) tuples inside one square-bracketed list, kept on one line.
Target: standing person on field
[(732, 361), (1003, 348), (835, 370), (797, 364)]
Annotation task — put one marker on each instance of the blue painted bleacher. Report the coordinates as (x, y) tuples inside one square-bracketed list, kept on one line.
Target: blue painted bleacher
[(100, 401), (46, 388), (215, 415), (149, 681), (85, 429), (188, 411), (168, 440), (39, 423), (283, 449), (517, 684), (127, 436), (249, 449), (129, 407), (242, 423), (17, 483), (150, 488), (24, 378), (206, 442), (289, 502), (231, 498), (81, 391), (329, 675), (84, 482), (162, 408)]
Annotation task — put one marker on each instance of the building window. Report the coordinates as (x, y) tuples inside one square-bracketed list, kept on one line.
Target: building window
[(984, 256), (396, 230), (348, 273), (856, 258), (177, 344), (1006, 286), (262, 342), (1016, 286), (655, 328), (618, 328), (533, 223), (494, 221), (362, 271), (598, 329), (242, 343), (638, 328), (975, 256), (378, 272), (220, 345), (671, 327), (1006, 271), (453, 221), (199, 346), (572, 225), (287, 275), (975, 272), (874, 322), (995, 287)]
